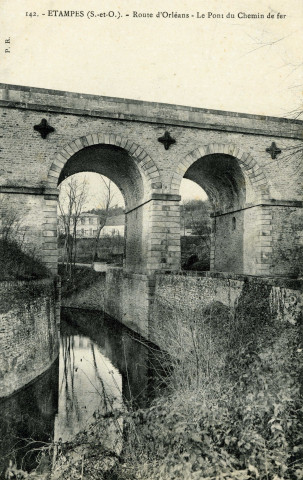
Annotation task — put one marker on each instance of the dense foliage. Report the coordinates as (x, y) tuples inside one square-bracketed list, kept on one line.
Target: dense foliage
[(234, 404), (252, 429), (195, 215), (80, 279), (15, 263), (18, 257)]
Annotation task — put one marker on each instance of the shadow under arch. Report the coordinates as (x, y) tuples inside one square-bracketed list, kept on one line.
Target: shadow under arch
[(129, 151), (113, 162), (256, 183), (128, 166), (233, 182), (221, 178)]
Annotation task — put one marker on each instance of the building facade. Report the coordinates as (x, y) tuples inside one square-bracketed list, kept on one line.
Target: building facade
[(87, 226)]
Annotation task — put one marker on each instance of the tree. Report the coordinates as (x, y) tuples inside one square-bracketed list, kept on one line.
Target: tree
[(72, 199), (10, 221), (196, 216), (20, 258), (103, 212)]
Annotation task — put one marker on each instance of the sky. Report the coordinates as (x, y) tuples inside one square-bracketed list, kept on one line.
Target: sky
[(96, 194), (210, 59), (240, 64)]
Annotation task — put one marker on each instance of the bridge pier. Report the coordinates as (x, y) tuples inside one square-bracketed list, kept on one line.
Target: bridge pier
[(160, 244)]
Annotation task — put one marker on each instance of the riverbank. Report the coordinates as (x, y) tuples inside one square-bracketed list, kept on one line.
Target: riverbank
[(29, 331), (232, 408), (19, 262)]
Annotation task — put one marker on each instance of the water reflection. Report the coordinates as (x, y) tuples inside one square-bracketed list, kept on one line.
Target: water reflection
[(27, 420), (101, 367), (88, 383), (139, 364)]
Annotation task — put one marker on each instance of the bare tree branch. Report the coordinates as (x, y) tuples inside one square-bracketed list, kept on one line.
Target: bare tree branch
[(72, 199), (106, 204)]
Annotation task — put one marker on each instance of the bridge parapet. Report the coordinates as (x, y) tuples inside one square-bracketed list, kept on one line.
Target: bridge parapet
[(41, 99)]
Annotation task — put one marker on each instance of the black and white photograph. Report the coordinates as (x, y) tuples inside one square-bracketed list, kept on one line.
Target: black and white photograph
[(151, 240)]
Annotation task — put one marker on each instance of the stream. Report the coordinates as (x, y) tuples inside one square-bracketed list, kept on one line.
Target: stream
[(102, 366)]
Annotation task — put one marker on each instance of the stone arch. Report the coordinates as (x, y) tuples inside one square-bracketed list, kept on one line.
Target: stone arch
[(235, 185), (146, 165), (252, 172), (138, 165)]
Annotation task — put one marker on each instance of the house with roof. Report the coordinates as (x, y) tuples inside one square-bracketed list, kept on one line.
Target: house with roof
[(87, 226)]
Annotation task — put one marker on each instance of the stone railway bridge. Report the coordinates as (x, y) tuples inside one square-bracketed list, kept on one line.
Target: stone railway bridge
[(250, 166)]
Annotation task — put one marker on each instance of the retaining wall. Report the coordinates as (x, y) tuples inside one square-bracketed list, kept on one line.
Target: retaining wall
[(150, 305), (225, 298), (28, 331), (122, 295)]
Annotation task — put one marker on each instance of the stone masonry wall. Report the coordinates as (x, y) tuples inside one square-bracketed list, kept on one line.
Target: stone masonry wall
[(287, 241), (28, 332), (150, 305), (251, 240), (123, 296), (134, 245), (229, 237), (184, 298), (74, 116)]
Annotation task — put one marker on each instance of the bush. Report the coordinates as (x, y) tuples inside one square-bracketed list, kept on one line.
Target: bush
[(79, 278), (195, 253), (18, 264), (221, 431), (199, 266), (18, 259), (233, 408)]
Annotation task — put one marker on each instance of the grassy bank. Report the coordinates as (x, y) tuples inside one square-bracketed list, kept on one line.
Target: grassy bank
[(19, 264), (79, 279), (233, 407)]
